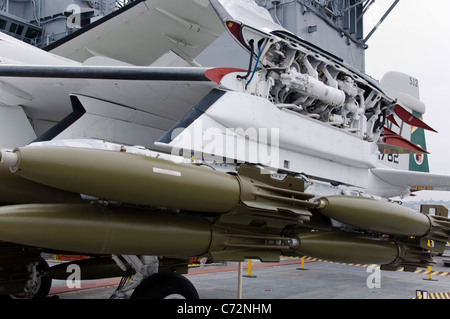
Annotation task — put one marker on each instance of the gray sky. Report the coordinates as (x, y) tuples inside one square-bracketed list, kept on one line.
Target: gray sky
[(415, 39)]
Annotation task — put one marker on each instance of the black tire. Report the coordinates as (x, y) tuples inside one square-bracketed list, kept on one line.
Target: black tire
[(165, 285), (43, 284)]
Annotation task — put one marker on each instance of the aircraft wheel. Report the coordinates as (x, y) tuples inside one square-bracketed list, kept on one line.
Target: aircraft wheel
[(165, 285), (41, 287)]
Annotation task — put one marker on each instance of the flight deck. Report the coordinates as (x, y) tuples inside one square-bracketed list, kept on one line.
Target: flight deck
[(290, 279)]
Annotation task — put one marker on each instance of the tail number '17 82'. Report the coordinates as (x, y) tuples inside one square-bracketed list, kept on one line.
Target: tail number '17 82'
[(393, 158)]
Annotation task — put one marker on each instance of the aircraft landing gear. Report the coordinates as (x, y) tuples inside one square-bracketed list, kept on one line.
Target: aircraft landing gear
[(23, 272), (144, 281), (38, 286), (165, 285)]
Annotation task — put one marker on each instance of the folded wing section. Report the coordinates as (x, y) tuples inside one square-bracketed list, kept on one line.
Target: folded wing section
[(151, 27)]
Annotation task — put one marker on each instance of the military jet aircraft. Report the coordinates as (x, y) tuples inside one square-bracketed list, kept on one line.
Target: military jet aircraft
[(146, 167)]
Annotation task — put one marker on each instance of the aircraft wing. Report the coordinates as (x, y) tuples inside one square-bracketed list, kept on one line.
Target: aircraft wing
[(104, 102), (151, 27), (414, 180)]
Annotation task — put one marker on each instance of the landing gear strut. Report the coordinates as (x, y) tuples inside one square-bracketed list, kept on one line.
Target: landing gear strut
[(39, 285), (147, 279)]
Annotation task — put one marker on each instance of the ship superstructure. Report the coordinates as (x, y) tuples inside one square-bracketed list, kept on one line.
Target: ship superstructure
[(335, 26), (41, 22)]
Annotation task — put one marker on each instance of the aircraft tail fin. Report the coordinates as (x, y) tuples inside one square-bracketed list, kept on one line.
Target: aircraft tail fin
[(418, 162), (404, 144)]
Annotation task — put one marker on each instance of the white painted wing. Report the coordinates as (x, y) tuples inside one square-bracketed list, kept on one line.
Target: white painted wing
[(114, 100), (46, 89), (142, 32), (414, 180)]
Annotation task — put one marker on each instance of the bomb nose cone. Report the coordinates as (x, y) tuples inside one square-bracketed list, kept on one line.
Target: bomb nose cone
[(9, 159)]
